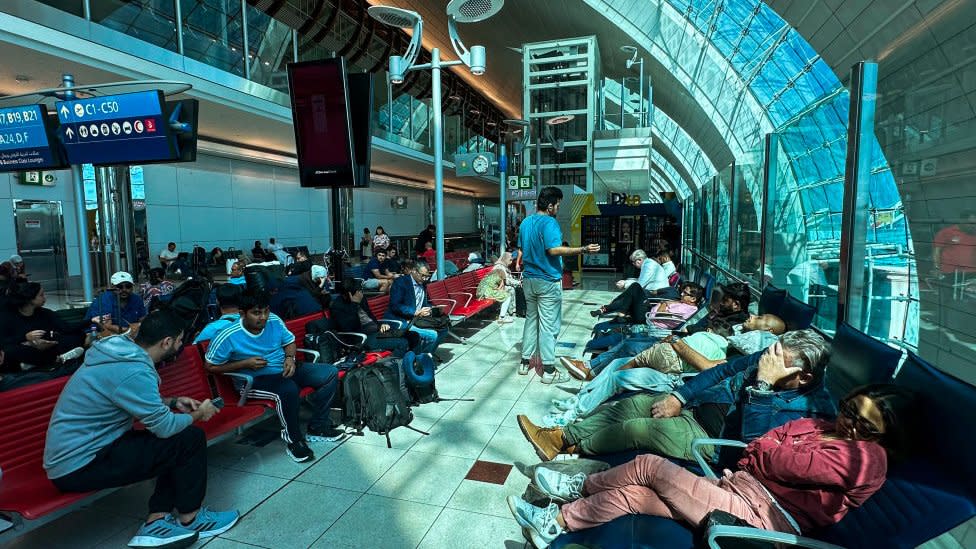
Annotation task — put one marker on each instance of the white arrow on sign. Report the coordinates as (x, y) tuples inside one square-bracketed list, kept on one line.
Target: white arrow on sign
[(64, 111), (70, 133)]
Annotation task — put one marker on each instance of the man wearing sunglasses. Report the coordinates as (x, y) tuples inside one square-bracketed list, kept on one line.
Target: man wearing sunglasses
[(116, 310)]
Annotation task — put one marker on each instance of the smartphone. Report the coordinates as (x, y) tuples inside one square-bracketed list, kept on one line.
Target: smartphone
[(53, 336), (218, 402)]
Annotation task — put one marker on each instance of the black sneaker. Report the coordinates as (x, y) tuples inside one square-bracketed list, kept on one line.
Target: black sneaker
[(299, 451), (596, 313), (332, 434)]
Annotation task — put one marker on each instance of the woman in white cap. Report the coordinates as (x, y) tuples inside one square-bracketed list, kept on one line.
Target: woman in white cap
[(116, 310)]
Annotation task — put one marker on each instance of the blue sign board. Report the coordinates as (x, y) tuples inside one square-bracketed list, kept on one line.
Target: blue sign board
[(115, 129), (24, 143)]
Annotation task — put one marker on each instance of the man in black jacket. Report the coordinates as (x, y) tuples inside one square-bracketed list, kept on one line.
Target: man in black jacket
[(425, 236), (350, 313)]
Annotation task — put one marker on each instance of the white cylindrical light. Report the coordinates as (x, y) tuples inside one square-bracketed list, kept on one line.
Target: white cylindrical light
[(396, 69), (478, 60)]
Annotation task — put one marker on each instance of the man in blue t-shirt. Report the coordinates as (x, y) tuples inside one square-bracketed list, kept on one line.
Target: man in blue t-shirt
[(375, 275), (261, 346), (116, 308), (540, 240)]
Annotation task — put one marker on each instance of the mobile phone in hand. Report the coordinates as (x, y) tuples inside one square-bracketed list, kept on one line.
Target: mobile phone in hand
[(218, 402)]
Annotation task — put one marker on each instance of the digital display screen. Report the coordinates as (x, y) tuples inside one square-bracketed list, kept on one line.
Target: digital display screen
[(25, 140), (116, 129), (320, 113)]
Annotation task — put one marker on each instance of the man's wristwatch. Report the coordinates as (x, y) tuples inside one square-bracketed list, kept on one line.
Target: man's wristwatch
[(764, 386)]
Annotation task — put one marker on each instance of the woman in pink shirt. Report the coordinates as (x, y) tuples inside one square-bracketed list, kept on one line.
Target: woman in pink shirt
[(803, 475)]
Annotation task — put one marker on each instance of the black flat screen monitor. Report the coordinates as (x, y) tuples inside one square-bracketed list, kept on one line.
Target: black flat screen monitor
[(361, 118), (323, 133)]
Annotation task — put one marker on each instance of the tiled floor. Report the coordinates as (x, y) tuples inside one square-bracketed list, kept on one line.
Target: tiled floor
[(361, 494)]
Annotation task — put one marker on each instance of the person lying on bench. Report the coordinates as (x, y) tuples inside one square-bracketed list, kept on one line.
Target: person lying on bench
[(261, 346), (666, 315), (659, 368), (797, 478), (91, 444), (732, 309), (740, 400), (651, 282)]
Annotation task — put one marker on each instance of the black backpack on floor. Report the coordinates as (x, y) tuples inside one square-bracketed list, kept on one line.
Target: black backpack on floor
[(373, 400)]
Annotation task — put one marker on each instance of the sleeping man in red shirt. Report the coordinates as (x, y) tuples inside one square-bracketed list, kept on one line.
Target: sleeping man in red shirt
[(801, 476)]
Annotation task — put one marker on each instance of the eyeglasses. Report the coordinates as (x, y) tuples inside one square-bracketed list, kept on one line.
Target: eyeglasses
[(849, 410)]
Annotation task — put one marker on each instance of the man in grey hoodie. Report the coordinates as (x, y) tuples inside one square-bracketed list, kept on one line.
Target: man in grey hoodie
[(91, 444)]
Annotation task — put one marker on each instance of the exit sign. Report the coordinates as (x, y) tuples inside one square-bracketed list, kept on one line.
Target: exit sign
[(39, 179)]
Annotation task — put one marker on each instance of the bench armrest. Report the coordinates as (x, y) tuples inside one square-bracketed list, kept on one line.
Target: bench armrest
[(356, 335), (702, 462), (743, 532), (445, 302), (248, 383), (469, 296), (314, 354)]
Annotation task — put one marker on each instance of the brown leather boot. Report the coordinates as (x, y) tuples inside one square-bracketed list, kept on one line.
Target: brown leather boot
[(547, 442), (577, 368)]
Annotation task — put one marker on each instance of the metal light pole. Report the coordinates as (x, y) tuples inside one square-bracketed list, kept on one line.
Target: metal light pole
[(503, 166), (81, 219), (465, 11)]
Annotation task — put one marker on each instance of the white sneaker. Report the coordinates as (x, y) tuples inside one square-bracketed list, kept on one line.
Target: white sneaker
[(523, 368), (539, 523), (562, 488), (505, 320), (555, 376)]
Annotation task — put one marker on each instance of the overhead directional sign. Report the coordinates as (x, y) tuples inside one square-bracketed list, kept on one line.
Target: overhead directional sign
[(25, 140), (116, 129)]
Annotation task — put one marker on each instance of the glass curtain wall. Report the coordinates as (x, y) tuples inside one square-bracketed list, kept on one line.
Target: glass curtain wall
[(152, 21), (925, 122), (213, 33)]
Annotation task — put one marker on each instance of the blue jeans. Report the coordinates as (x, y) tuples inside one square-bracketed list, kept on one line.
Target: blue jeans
[(627, 348), (543, 319), (429, 339), (612, 380), (284, 391)]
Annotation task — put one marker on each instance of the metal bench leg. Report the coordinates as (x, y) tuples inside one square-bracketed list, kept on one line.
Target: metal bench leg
[(460, 339)]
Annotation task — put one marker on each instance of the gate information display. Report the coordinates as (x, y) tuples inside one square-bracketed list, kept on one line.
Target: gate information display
[(24, 142), (115, 129)]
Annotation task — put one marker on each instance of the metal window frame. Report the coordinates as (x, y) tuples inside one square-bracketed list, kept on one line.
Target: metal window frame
[(857, 174)]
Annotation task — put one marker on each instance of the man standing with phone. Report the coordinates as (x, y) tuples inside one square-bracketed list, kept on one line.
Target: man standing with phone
[(91, 444), (540, 240)]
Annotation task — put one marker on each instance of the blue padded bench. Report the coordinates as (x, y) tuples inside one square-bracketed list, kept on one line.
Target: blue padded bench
[(858, 359), (796, 314), (771, 301), (919, 500)]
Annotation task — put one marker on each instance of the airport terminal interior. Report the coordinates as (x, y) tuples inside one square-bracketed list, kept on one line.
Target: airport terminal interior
[(488, 273)]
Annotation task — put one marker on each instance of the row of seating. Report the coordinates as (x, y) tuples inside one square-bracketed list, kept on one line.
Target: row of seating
[(925, 496), (26, 494)]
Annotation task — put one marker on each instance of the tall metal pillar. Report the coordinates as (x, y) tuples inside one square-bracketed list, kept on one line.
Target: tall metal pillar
[(81, 225), (857, 173), (502, 167), (768, 204), (435, 73)]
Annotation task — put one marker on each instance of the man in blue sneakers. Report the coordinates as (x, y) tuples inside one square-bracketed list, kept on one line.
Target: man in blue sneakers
[(91, 444)]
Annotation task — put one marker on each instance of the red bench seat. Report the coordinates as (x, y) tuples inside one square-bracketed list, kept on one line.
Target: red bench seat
[(25, 489)]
